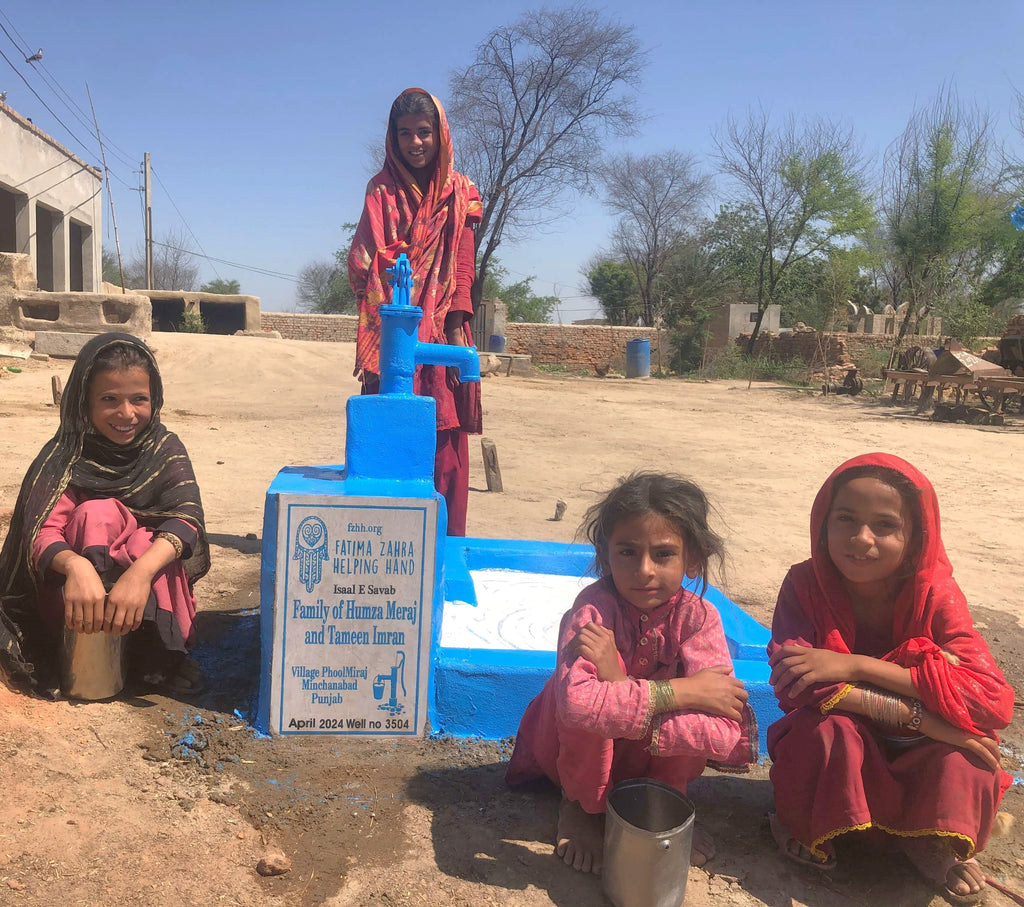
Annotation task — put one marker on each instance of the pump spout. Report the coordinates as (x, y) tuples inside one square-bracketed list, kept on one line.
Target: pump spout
[(465, 358), (401, 351)]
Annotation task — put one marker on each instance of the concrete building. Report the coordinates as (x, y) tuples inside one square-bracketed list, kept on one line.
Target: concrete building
[(733, 319), (50, 207)]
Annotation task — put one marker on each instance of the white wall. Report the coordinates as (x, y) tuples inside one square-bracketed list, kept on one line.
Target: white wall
[(40, 172)]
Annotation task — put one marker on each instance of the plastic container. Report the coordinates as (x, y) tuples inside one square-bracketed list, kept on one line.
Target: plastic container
[(92, 665), (648, 832), (497, 344), (638, 358)]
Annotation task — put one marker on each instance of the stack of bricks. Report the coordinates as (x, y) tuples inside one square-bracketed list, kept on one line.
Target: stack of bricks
[(806, 345), (841, 350)]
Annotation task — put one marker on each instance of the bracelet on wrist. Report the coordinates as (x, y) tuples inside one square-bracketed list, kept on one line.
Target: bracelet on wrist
[(178, 545), (914, 723), (663, 696)]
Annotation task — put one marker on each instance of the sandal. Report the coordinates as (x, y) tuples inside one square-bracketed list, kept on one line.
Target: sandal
[(185, 679), (933, 859), (790, 847)]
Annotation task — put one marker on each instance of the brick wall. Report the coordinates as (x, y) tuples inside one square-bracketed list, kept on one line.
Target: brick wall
[(584, 347), (580, 346), (325, 328), (573, 346)]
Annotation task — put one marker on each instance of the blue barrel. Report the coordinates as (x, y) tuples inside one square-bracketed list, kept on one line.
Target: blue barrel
[(638, 358), (497, 343)]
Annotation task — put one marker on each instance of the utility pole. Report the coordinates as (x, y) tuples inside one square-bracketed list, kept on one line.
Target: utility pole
[(149, 227)]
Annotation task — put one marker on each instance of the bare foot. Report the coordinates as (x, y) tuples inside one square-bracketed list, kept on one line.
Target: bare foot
[(959, 881), (702, 847), (580, 837)]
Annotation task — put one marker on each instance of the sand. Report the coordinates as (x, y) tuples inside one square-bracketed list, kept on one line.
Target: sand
[(103, 802)]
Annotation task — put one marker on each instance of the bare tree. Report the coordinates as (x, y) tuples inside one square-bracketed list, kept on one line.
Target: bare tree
[(324, 288), (805, 184), (531, 113), (658, 198), (174, 264)]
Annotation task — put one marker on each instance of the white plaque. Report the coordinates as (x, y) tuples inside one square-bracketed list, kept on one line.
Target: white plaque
[(352, 612)]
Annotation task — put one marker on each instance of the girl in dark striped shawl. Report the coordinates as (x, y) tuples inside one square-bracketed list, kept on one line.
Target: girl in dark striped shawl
[(108, 533)]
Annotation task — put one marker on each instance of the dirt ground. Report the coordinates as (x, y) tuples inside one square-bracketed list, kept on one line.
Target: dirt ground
[(147, 800)]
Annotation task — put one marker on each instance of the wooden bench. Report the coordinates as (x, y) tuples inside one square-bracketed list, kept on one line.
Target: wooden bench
[(933, 385), (1000, 387), (909, 379)]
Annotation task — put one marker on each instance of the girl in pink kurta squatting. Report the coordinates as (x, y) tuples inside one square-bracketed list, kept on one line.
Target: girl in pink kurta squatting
[(108, 533), (643, 686)]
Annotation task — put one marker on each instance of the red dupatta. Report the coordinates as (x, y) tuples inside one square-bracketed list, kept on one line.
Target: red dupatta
[(930, 617), (427, 226)]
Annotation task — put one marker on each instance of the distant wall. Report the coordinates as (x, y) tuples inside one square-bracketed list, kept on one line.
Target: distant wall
[(298, 326), (573, 346), (578, 346), (839, 348)]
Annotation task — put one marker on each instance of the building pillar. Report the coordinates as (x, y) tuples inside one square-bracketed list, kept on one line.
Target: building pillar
[(24, 224), (61, 253)]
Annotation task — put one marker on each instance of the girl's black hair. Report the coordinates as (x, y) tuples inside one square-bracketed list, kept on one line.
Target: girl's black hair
[(909, 494), (411, 103), (120, 356), (672, 497)]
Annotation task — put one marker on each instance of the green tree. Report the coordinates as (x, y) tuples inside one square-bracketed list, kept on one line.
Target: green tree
[(1006, 279), (804, 186), (940, 209), (521, 305), (219, 285), (111, 271), (323, 286), (613, 284), (722, 263), (531, 108)]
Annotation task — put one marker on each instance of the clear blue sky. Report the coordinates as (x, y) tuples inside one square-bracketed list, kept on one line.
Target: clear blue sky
[(258, 115)]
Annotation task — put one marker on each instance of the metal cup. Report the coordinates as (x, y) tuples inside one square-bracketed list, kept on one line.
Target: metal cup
[(92, 665), (647, 837)]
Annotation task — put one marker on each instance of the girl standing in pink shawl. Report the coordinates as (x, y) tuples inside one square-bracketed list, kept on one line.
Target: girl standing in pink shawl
[(420, 205)]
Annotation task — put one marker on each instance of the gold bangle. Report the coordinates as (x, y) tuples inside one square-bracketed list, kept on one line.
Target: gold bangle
[(664, 696), (179, 547)]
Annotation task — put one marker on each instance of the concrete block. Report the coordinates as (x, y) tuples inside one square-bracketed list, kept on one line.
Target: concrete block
[(490, 364), (514, 363), (61, 344), (89, 313)]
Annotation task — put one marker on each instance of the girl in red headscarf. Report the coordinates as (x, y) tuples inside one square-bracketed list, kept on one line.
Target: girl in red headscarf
[(418, 204), (892, 699)]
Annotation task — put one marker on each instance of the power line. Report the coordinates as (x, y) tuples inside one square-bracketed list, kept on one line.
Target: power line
[(185, 222), (57, 89), (47, 106), (234, 264)]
